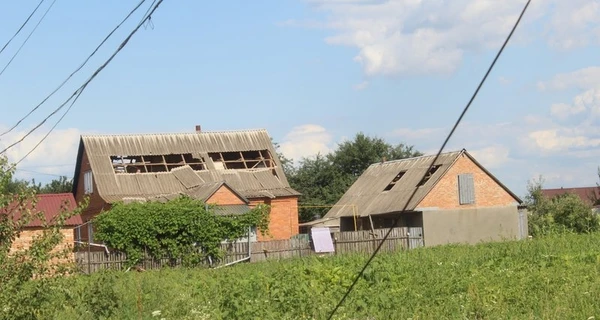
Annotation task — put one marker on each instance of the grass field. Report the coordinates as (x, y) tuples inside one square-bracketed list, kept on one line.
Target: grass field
[(551, 278)]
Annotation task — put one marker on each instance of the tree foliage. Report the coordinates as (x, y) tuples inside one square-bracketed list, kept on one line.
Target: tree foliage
[(22, 297), (565, 213), (60, 185), (182, 228), (323, 179)]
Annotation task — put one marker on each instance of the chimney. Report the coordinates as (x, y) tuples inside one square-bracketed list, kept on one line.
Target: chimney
[(198, 128), (383, 159)]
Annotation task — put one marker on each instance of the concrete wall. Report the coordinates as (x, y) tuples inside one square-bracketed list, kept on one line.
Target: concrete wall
[(470, 225), (488, 193)]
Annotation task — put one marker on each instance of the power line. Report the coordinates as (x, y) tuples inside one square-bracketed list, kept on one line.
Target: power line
[(27, 39), (43, 173), (359, 275), (21, 28), (78, 69), (77, 92)]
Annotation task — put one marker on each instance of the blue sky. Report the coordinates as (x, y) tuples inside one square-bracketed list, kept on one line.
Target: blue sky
[(316, 72)]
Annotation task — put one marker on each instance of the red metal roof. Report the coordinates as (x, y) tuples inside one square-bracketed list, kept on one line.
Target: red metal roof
[(51, 205), (586, 194)]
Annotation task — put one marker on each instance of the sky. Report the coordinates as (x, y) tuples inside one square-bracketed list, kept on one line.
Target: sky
[(314, 73)]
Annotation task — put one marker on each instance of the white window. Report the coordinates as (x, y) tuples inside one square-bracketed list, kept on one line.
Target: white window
[(88, 185)]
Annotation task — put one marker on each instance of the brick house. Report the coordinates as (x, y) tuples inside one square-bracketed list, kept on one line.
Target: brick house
[(458, 201), (48, 207), (235, 170)]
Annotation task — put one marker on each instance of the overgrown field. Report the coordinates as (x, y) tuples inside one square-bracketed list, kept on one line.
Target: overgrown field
[(552, 278)]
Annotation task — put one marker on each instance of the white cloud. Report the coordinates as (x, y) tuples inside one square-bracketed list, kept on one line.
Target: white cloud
[(558, 140), (581, 79), (361, 86), (504, 81), (55, 156), (492, 156), (305, 141), (425, 37)]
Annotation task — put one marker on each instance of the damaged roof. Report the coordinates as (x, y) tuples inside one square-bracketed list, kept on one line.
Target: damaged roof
[(367, 196), (249, 183)]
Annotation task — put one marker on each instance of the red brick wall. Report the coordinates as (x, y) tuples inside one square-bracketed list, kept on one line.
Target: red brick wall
[(283, 218), (96, 203), (224, 196), (487, 192)]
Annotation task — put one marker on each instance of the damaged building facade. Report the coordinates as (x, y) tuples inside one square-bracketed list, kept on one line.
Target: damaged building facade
[(235, 170)]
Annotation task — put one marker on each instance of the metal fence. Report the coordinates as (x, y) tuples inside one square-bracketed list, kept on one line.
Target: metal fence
[(344, 242)]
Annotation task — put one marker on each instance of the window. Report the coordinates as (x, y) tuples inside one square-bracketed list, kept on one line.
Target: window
[(429, 174), (88, 184), (396, 178), (466, 189)]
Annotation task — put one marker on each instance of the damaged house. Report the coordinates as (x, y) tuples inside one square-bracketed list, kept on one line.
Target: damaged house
[(236, 170), (457, 201)]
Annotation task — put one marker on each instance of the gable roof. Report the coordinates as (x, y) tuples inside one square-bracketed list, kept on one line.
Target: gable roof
[(249, 183), (367, 196), (51, 206), (587, 194)]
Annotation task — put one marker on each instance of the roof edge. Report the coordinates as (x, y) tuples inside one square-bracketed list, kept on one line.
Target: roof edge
[(435, 182), (174, 133), (493, 177)]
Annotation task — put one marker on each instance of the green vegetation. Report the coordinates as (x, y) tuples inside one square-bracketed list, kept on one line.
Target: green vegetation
[(555, 277), (323, 179), (60, 185), (182, 228), (20, 297), (566, 213)]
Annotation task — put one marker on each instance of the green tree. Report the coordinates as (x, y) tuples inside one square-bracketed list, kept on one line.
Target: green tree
[(60, 185), (565, 213), (22, 297), (355, 156), (323, 179)]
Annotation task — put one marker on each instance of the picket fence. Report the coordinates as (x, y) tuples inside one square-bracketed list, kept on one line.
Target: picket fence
[(344, 242)]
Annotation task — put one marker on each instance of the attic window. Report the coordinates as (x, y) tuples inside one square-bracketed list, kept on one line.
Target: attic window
[(396, 178), (429, 174), (155, 163), (242, 160)]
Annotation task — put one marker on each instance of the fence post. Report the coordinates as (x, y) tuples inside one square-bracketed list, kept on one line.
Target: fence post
[(408, 240)]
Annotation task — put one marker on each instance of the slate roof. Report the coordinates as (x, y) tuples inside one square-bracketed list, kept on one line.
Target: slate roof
[(367, 196), (51, 206), (249, 183)]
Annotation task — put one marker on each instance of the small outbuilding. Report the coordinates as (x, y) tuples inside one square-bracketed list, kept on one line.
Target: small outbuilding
[(457, 201)]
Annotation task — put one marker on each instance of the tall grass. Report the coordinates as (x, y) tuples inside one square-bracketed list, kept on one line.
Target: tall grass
[(550, 278)]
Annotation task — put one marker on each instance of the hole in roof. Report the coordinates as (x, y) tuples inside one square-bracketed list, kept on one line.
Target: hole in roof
[(429, 174), (393, 182)]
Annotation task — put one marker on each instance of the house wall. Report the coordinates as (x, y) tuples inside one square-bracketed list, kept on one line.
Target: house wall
[(224, 196), (283, 218), (26, 237), (487, 192), (96, 203), (470, 225)]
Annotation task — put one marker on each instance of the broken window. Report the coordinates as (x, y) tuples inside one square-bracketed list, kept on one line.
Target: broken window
[(429, 174), (242, 160), (396, 178), (155, 163)]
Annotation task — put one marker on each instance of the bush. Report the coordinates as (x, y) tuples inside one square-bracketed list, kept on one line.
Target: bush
[(562, 214), (182, 228)]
